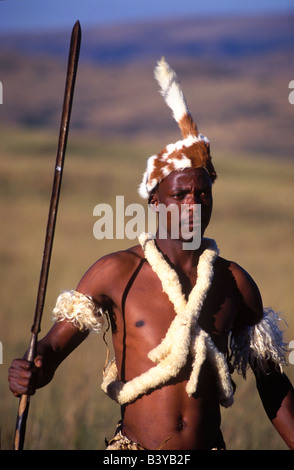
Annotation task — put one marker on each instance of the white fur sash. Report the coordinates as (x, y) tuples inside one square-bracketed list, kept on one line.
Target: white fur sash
[(183, 337)]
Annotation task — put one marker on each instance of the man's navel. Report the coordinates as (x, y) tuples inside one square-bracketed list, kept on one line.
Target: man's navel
[(181, 424)]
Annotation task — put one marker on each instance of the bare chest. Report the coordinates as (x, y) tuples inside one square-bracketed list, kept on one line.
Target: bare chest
[(145, 312)]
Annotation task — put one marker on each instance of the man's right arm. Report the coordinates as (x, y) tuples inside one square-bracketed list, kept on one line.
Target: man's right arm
[(100, 282), (61, 340)]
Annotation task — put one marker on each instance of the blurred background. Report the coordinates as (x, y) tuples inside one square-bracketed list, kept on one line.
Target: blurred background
[(235, 63)]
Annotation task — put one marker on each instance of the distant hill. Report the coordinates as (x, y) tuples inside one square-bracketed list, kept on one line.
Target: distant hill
[(235, 73), (232, 37)]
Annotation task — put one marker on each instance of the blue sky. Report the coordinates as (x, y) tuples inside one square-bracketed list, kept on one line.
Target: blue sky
[(24, 15)]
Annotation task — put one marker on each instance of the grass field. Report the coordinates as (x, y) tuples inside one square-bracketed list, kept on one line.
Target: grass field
[(253, 223)]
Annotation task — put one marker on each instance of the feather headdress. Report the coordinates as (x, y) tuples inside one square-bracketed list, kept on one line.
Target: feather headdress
[(191, 152)]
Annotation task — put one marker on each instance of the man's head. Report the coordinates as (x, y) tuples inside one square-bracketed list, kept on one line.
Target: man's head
[(184, 203), (191, 152)]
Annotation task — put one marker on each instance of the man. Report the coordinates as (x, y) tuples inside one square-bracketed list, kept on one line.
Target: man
[(182, 317)]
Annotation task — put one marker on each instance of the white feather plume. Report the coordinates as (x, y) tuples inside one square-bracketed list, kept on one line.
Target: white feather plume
[(171, 89)]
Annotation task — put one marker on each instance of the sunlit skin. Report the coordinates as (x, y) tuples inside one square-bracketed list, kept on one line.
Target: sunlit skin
[(165, 416)]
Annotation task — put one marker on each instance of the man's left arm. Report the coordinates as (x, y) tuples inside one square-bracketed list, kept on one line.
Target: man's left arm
[(277, 396), (259, 342)]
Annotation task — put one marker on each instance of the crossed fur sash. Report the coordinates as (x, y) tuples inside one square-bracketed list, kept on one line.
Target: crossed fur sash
[(183, 337), (255, 345)]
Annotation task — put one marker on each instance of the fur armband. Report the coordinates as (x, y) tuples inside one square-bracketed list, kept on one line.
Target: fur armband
[(80, 310), (259, 344)]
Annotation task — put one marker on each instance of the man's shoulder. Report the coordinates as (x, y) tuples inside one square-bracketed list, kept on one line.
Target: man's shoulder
[(241, 275), (122, 260), (247, 288), (238, 271), (110, 273)]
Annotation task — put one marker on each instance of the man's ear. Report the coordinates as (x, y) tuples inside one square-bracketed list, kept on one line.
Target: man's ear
[(153, 202)]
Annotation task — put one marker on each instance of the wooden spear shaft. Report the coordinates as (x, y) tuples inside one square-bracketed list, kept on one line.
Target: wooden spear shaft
[(62, 142)]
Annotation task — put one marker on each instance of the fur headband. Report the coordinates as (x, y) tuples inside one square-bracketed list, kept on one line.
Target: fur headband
[(191, 152)]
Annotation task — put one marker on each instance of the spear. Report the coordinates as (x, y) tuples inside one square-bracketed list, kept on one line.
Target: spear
[(62, 142)]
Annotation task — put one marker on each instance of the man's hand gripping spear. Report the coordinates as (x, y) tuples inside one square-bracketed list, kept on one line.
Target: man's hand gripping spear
[(62, 142)]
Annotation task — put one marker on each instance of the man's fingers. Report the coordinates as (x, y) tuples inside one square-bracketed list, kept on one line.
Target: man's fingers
[(38, 361), (22, 376)]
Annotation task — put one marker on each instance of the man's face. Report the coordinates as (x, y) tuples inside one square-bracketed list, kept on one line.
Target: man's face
[(184, 189)]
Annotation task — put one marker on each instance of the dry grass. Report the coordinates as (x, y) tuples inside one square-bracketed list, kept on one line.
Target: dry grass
[(252, 222)]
